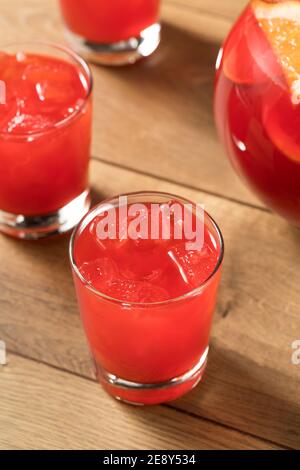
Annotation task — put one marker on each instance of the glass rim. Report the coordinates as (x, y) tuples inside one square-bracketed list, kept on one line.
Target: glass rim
[(79, 61), (192, 293)]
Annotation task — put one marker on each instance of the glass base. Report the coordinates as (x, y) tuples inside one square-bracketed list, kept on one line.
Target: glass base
[(55, 223), (118, 53), (151, 394)]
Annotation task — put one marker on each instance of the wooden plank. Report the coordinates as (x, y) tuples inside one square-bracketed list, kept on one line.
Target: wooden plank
[(44, 408), (156, 116), (251, 383), (229, 8)]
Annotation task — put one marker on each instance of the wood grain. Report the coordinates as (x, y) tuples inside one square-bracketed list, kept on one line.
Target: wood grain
[(228, 9), (43, 408), (160, 109), (251, 383)]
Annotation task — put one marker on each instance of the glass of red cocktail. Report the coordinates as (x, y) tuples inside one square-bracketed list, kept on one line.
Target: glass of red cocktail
[(257, 102), (45, 134), (112, 32), (147, 299)]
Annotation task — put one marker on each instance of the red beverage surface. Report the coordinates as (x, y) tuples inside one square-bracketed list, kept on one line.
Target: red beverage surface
[(44, 133), (144, 342), (258, 117), (105, 21)]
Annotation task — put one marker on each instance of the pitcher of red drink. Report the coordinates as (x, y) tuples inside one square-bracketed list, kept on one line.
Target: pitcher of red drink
[(257, 102)]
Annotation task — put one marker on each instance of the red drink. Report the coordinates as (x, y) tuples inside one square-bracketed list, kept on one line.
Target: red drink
[(146, 304), (112, 32), (45, 133), (257, 100)]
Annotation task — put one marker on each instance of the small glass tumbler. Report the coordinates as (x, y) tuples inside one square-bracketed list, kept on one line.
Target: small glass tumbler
[(115, 32), (44, 165), (145, 353)]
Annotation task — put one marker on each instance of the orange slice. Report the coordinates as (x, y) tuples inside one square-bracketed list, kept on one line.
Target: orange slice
[(280, 22), (283, 133), (248, 57)]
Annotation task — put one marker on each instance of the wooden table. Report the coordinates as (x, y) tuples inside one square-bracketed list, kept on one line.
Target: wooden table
[(153, 129)]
